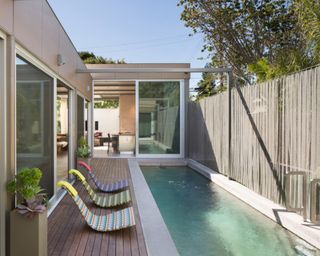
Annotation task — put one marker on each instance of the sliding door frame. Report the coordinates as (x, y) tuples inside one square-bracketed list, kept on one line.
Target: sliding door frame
[(182, 120), (3, 142), (55, 171), (79, 94), (20, 51)]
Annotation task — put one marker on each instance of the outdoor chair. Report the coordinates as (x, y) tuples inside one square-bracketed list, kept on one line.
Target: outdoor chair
[(115, 220), (103, 200), (111, 187)]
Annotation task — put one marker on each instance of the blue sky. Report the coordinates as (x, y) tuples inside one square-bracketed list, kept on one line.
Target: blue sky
[(135, 30)]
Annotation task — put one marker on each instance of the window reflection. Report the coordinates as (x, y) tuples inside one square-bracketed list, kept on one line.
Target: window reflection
[(34, 110), (159, 117)]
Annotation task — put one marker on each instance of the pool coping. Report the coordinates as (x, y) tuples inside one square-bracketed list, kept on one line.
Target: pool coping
[(289, 220), (156, 234)]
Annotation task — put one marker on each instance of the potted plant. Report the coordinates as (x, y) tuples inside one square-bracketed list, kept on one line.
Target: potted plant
[(83, 150), (28, 221)]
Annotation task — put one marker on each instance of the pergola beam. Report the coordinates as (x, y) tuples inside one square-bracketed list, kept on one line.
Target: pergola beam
[(113, 92), (154, 70)]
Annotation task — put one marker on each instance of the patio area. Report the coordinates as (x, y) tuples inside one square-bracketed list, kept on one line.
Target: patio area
[(68, 234)]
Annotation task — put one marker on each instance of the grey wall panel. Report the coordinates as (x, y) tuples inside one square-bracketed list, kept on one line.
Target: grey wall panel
[(50, 38), (6, 15), (28, 25), (65, 49)]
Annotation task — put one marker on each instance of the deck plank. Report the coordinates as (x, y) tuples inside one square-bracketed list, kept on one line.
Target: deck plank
[(68, 233)]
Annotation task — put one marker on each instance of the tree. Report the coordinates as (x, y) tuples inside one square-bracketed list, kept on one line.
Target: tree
[(240, 33), (308, 13), (210, 84), (91, 58)]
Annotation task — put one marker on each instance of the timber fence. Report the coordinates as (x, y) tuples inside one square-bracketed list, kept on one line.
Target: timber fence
[(275, 130)]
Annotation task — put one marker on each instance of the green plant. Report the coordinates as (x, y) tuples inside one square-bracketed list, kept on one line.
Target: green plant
[(106, 104), (82, 142), (26, 186), (83, 149), (91, 58)]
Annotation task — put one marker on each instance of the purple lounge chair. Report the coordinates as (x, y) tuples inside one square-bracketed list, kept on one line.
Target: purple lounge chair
[(111, 187)]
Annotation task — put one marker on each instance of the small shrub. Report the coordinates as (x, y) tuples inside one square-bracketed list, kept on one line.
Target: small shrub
[(83, 150), (26, 187)]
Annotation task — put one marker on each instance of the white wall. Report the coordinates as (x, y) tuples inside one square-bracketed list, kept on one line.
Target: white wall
[(108, 120), (64, 115)]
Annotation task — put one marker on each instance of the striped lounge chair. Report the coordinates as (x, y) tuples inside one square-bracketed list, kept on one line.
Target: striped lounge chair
[(103, 223), (111, 187), (105, 200)]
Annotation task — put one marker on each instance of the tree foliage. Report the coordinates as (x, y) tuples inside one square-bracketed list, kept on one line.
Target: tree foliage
[(91, 58), (258, 38), (308, 13), (106, 104), (165, 93), (210, 84)]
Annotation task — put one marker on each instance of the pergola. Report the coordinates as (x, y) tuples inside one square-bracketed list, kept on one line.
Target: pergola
[(112, 80)]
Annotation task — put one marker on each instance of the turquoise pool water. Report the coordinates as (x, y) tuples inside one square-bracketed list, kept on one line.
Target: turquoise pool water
[(204, 219)]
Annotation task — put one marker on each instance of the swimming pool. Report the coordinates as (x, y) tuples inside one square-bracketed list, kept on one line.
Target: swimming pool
[(203, 219)]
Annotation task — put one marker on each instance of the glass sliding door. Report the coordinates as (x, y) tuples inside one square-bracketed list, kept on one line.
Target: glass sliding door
[(86, 115), (34, 121), (63, 135), (159, 118), (80, 117), (87, 123)]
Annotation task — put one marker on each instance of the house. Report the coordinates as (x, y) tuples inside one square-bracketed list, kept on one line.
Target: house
[(47, 104)]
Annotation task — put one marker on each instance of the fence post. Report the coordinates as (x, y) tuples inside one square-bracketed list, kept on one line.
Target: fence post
[(230, 85)]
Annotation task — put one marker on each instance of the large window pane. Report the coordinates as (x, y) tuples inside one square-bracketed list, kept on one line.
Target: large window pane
[(35, 121), (159, 117)]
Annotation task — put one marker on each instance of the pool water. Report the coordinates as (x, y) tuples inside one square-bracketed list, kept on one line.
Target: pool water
[(203, 219)]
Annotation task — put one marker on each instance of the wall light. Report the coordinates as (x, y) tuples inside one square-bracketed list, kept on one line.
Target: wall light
[(60, 60)]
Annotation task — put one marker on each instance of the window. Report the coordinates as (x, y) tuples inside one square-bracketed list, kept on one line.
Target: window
[(34, 121), (159, 117)]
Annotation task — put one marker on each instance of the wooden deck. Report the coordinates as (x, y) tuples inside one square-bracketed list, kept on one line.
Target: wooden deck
[(68, 234)]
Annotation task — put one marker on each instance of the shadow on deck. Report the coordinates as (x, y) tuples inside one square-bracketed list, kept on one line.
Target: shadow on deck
[(68, 234)]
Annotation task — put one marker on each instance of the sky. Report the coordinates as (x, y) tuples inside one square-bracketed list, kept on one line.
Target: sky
[(146, 31)]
